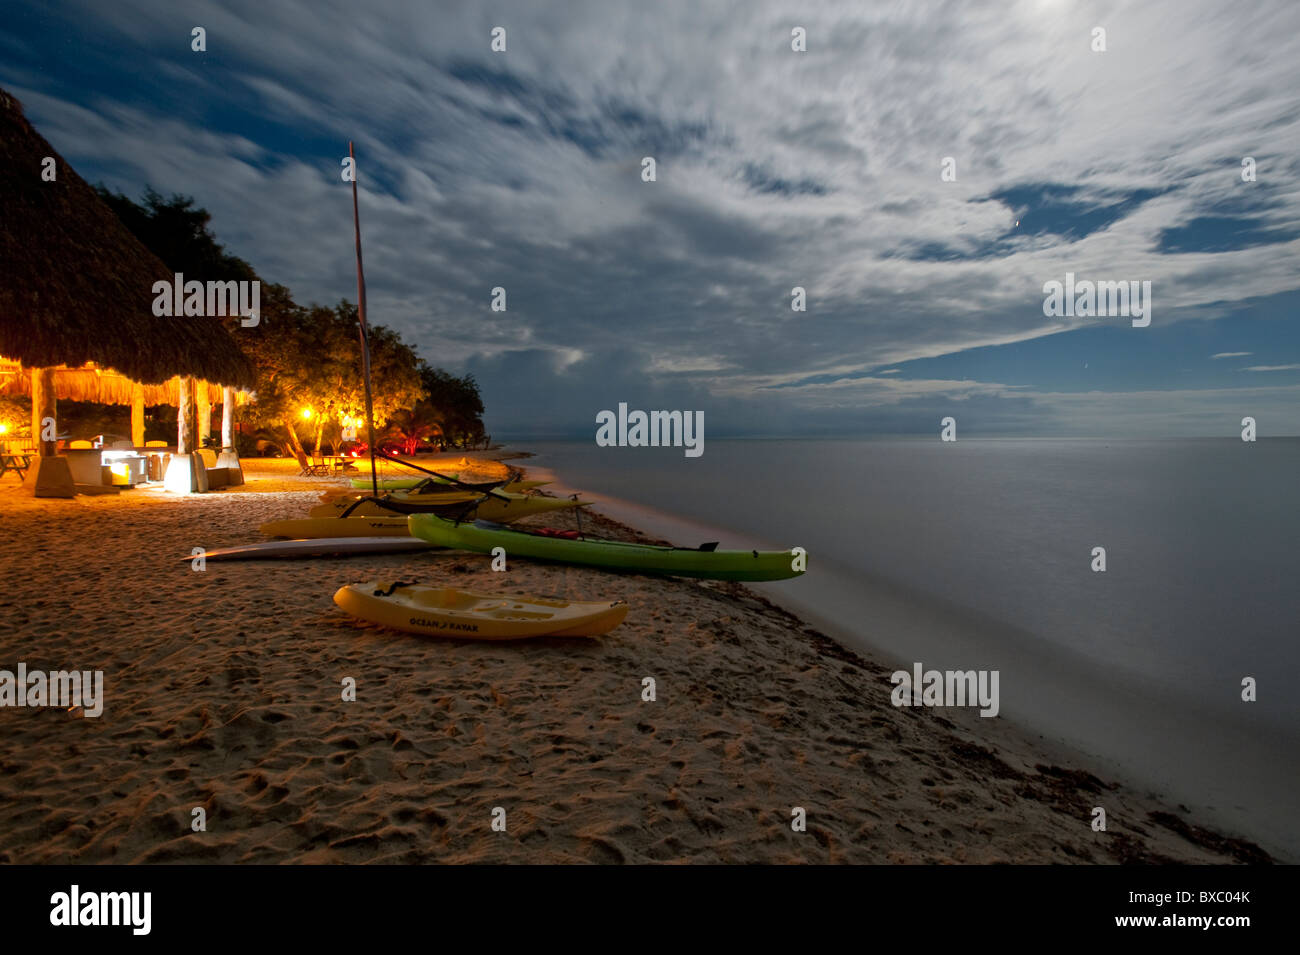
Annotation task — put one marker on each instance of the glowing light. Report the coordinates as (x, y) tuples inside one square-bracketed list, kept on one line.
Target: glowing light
[(4, 428), (306, 413)]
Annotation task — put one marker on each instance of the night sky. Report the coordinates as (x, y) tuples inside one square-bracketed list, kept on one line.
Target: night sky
[(775, 169)]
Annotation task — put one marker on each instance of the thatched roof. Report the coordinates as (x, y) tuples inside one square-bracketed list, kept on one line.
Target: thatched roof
[(76, 286), (104, 385)]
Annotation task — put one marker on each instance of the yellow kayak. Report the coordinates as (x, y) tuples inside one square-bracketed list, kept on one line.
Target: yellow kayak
[(493, 509), (467, 615)]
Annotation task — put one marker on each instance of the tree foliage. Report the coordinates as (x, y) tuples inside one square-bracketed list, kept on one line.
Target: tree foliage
[(175, 231), (453, 403), (310, 380)]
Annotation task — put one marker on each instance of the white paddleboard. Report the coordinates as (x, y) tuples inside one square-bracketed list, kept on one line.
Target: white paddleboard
[(318, 547)]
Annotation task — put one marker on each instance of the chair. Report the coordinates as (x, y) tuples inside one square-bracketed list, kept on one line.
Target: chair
[(159, 458), (311, 469), (218, 477)]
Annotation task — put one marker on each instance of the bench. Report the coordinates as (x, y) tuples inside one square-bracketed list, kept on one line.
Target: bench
[(217, 477), (16, 462)]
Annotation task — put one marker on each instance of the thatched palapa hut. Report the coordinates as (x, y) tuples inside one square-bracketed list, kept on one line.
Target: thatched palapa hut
[(76, 304)]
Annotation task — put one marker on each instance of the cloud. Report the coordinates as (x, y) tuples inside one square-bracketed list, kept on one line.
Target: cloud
[(775, 169), (1231, 354), (1273, 368)]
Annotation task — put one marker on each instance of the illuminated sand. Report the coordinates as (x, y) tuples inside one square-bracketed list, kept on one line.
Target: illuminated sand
[(223, 692)]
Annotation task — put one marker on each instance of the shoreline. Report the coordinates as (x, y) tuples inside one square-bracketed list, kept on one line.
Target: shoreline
[(784, 597), (223, 693), (921, 626)]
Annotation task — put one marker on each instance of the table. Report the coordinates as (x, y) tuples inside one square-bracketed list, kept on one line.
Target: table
[(340, 463), (18, 463)]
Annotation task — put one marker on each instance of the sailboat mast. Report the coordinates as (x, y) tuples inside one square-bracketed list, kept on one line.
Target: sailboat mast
[(365, 337)]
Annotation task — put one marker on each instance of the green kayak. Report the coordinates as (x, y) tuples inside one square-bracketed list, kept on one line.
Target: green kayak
[(483, 536)]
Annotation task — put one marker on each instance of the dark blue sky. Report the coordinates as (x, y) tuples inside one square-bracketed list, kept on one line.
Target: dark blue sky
[(775, 169)]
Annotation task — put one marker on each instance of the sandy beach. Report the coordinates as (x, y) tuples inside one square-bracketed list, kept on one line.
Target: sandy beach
[(223, 691)]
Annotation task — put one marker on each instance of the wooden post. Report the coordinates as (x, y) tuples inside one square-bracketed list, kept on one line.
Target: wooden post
[(204, 406), (137, 414), (49, 475), (229, 456), (38, 400), (186, 472), (184, 428), (228, 417), (45, 404)]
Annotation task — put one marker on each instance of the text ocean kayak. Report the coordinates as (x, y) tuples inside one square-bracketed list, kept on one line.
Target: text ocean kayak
[(482, 536)]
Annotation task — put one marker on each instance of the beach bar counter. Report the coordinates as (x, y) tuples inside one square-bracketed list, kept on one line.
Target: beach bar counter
[(124, 467), (117, 467)]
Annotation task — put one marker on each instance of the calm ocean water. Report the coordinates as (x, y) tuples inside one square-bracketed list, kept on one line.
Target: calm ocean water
[(978, 554)]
